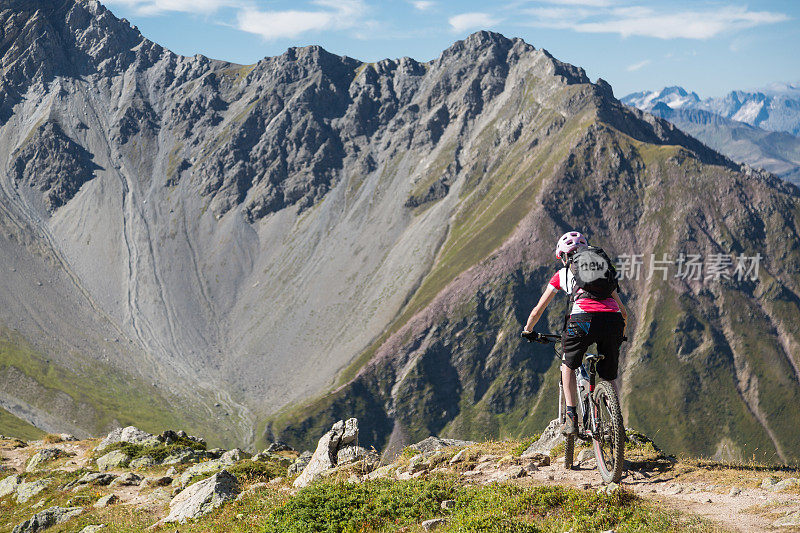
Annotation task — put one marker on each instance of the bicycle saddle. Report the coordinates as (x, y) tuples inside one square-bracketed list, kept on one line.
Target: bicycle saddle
[(594, 357)]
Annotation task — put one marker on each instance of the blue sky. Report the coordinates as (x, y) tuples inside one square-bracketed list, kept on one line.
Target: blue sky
[(711, 47)]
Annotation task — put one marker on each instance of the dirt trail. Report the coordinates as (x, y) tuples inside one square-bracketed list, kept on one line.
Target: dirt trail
[(752, 509)]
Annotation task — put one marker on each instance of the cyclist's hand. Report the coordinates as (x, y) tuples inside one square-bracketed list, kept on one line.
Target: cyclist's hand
[(531, 336)]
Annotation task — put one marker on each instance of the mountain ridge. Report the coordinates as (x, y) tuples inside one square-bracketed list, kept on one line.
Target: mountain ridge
[(220, 250), (722, 125)]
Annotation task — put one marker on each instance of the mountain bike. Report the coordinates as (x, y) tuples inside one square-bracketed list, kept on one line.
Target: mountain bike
[(598, 412)]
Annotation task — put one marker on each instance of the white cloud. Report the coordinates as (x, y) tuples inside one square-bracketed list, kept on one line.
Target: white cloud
[(647, 22), (637, 66), (422, 5), (333, 15), (590, 3), (157, 7), (469, 21)]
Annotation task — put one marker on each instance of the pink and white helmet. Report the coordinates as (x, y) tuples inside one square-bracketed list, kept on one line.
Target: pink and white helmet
[(569, 241)]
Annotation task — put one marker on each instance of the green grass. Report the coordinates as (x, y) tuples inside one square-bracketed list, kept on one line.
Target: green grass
[(383, 506), (11, 426), (158, 453), (99, 396)]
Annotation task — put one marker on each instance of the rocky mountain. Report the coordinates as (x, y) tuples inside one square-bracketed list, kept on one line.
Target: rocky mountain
[(773, 108), (254, 251), (765, 140)]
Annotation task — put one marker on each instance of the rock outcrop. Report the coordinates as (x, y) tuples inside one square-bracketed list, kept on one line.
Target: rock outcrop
[(47, 518), (129, 434), (202, 497), (339, 446)]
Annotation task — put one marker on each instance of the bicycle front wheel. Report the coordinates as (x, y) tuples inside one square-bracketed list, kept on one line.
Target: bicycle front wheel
[(609, 435)]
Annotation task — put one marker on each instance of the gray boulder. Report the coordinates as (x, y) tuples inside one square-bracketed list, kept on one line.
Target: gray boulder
[(324, 457), (129, 434), (785, 484), (202, 497), (26, 491), (432, 444), (96, 478), (44, 456), (47, 518), (231, 456), (161, 481), (9, 485), (183, 456), (279, 447), (66, 437), (433, 524), (105, 501), (350, 454), (300, 463), (790, 520), (551, 437), (199, 469), (93, 528), (142, 462), (128, 479), (350, 435), (115, 459)]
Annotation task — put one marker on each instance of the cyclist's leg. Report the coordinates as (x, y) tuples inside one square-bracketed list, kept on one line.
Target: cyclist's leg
[(608, 335), (575, 340)]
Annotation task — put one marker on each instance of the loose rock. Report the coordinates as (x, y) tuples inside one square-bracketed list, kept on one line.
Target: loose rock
[(44, 456), (432, 444), (47, 518), (26, 491), (9, 485), (234, 455), (142, 462), (105, 501), (786, 484), (128, 479), (93, 528), (129, 434), (199, 469), (300, 463), (551, 437), (279, 447), (115, 459), (324, 457), (433, 524), (202, 497)]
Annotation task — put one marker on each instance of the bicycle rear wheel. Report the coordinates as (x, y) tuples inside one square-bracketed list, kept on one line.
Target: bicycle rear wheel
[(609, 437)]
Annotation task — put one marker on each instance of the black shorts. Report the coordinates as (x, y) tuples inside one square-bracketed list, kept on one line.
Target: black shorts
[(583, 329)]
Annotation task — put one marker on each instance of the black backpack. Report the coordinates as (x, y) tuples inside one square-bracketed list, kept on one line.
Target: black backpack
[(594, 273)]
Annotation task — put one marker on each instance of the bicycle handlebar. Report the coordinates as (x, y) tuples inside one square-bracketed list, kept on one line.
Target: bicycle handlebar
[(547, 338), (543, 338)]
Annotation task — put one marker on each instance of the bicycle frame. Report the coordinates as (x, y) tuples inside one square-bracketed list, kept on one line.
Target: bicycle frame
[(585, 408)]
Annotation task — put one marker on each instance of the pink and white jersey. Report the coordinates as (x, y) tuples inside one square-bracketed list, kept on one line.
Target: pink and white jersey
[(564, 280)]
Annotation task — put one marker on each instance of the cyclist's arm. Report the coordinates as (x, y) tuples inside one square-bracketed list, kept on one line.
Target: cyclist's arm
[(622, 309), (536, 314)]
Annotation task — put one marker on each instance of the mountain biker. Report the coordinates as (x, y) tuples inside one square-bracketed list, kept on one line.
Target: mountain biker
[(590, 320)]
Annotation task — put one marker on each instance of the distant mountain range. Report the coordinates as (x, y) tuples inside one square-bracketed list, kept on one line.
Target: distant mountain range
[(256, 251), (759, 128)]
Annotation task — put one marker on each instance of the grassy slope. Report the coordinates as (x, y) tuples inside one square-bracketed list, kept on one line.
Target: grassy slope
[(97, 395), (677, 399), (11, 426)]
